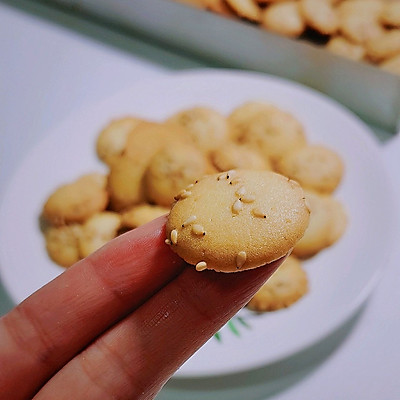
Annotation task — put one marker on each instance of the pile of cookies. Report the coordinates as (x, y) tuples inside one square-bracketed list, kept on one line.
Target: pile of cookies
[(151, 165), (361, 30)]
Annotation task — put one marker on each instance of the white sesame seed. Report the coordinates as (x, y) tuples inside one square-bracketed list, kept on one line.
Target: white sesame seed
[(235, 181), (189, 186), (237, 206), (167, 241), (222, 176), (241, 259), (174, 236), (186, 194), (241, 191), (231, 173), (198, 229), (191, 219), (258, 213), (201, 266), (248, 198)]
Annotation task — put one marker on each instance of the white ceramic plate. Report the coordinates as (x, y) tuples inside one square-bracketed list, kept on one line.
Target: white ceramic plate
[(341, 277)]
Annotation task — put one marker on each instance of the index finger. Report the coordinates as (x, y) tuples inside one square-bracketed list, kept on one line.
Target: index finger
[(49, 328)]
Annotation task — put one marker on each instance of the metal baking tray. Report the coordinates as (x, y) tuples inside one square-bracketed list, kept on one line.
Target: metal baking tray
[(371, 93)]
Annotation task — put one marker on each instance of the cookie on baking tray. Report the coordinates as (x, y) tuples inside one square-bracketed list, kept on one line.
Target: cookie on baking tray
[(286, 286), (237, 220)]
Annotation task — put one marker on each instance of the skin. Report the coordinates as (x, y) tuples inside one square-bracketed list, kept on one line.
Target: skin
[(119, 323)]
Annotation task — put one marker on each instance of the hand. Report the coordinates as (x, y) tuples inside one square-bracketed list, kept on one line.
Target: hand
[(118, 323)]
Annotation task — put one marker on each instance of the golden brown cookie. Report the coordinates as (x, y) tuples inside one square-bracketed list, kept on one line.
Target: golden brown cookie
[(246, 9), (338, 218), (76, 201), (266, 128), (237, 220), (62, 244), (359, 20), (286, 286), (171, 170), (390, 15), (314, 167), (320, 16), (318, 233), (206, 127), (284, 18), (149, 137), (97, 230), (142, 214), (384, 46), (234, 156), (126, 183), (112, 139), (392, 65), (345, 48)]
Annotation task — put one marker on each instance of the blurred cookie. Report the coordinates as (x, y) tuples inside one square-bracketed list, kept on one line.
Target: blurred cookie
[(384, 46), (206, 127), (391, 65), (97, 230), (149, 137), (314, 167), (345, 48), (286, 286), (267, 128), (318, 233), (284, 18), (126, 183), (62, 244), (142, 214), (112, 139), (338, 219), (76, 201), (320, 15), (233, 156), (246, 9), (171, 170), (237, 220), (390, 15)]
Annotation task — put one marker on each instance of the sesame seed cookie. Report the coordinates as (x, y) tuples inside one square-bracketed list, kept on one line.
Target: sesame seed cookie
[(345, 48), (171, 170), (246, 9), (142, 214), (384, 46), (112, 139), (97, 230), (320, 16), (233, 156), (126, 183), (286, 286), (76, 201), (62, 244), (237, 220), (314, 167), (206, 127), (318, 234), (266, 128), (284, 18)]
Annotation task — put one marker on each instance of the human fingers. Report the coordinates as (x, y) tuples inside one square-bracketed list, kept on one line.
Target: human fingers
[(134, 358), (49, 328)]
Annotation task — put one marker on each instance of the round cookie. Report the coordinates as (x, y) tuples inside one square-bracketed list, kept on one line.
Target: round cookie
[(384, 46), (62, 244), (391, 14), (171, 170), (112, 139), (284, 18), (237, 220), (338, 218), (345, 48), (142, 214), (206, 127), (125, 183), (233, 156), (268, 129), (76, 201), (286, 286), (318, 234), (320, 16), (99, 229), (314, 167)]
